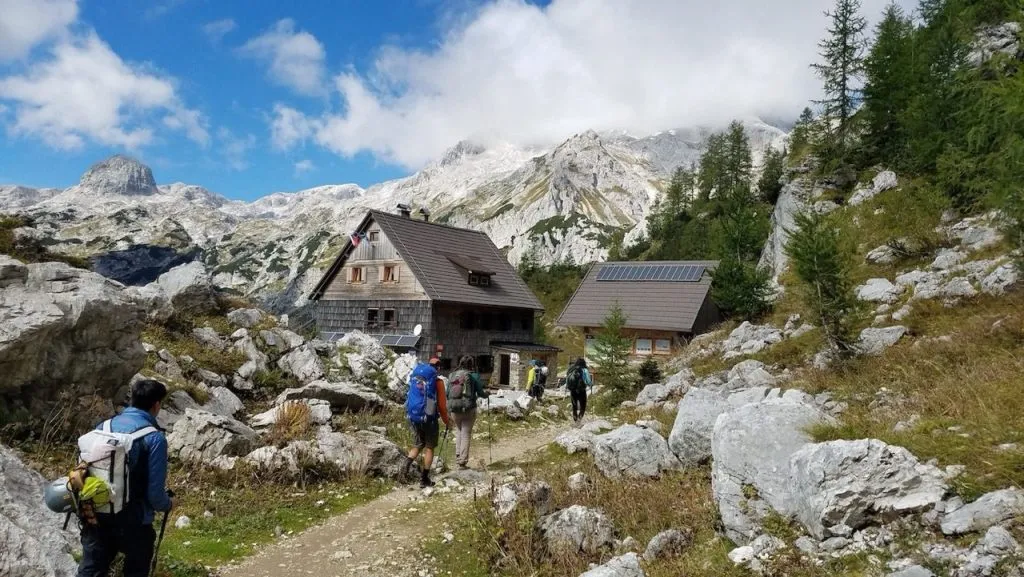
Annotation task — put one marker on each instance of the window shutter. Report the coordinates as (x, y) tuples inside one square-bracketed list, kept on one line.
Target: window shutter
[(380, 273), (395, 271)]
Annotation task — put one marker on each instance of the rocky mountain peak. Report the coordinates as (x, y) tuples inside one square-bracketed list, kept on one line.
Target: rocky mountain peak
[(121, 175), (460, 151)]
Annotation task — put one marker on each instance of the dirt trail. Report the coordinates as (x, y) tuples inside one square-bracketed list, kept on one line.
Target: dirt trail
[(380, 538)]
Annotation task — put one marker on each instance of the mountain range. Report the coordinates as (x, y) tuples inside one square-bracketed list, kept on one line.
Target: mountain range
[(565, 201)]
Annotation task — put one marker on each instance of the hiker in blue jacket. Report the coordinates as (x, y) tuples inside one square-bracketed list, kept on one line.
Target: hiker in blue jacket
[(131, 531)]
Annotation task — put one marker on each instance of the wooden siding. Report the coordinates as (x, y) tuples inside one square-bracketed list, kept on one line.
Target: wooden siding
[(342, 316), (677, 341), (457, 341), (372, 257)]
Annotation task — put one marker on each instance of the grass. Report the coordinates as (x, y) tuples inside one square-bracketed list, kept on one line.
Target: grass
[(181, 343), (971, 383)]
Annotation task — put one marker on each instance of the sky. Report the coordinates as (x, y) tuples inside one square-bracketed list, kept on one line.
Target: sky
[(250, 97)]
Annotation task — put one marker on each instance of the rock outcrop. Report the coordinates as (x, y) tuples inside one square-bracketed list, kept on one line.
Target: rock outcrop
[(61, 326), (511, 497), (696, 414), (633, 451), (32, 543), (627, 565), (990, 509), (203, 437), (342, 396), (577, 530)]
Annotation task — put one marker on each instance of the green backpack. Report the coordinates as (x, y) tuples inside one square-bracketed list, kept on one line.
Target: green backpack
[(461, 393)]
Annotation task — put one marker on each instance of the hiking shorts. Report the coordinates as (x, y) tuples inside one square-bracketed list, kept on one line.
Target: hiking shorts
[(424, 435)]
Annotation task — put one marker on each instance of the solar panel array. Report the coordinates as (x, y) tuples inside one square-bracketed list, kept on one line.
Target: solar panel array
[(650, 272), (401, 341)]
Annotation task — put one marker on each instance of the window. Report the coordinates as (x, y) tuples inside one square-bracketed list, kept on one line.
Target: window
[(356, 274), (643, 346), (663, 346), (485, 321), (479, 279), (372, 318), (485, 280), (468, 321), (373, 236), (474, 279), (390, 320), (485, 364), (389, 273)]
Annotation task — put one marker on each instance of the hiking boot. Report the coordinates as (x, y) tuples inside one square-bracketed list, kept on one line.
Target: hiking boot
[(425, 479), (407, 471)]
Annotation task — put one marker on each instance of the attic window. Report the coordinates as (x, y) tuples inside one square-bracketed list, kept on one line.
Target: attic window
[(355, 274), (373, 236), (479, 280), (389, 274)]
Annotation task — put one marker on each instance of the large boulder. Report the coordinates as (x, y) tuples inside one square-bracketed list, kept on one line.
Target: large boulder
[(577, 530), (32, 543), (627, 565), (696, 414), (398, 375), (319, 413), (302, 363), (879, 290), (874, 341), (990, 509), (1001, 279), (633, 451), (361, 452), (223, 402), (575, 441), (245, 318), (61, 327), (173, 408), (190, 289), (208, 338), (343, 397), (152, 299), (751, 447), (748, 339), (202, 437), (511, 497), (843, 485)]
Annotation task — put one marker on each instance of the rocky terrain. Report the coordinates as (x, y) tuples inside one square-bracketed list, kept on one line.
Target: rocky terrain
[(563, 202)]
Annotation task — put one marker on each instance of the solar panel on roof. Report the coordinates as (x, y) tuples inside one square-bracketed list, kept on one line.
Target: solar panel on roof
[(389, 340), (408, 341), (650, 273)]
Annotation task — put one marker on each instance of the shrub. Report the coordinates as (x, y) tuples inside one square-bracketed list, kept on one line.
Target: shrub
[(611, 355), (650, 372)]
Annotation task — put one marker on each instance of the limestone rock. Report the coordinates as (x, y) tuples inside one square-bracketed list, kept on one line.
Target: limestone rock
[(201, 437), (1001, 279), (342, 396), (152, 299), (223, 402), (190, 288), (667, 544), (849, 484), (61, 326), (597, 426), (913, 571), (209, 338), (245, 318), (510, 497), (883, 181), (173, 408), (690, 439), (879, 290), (947, 259), (575, 441), (319, 413), (991, 40), (990, 509), (303, 363), (32, 543), (627, 565), (751, 448), (579, 482), (633, 451), (577, 530), (748, 339), (362, 452), (874, 341), (884, 254)]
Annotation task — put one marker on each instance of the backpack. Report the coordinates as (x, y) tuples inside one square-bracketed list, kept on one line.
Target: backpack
[(104, 457), (574, 380), (461, 393), (542, 377), (421, 402)]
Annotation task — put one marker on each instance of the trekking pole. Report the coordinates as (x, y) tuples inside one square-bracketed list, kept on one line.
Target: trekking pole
[(444, 445), (490, 415), (160, 538)]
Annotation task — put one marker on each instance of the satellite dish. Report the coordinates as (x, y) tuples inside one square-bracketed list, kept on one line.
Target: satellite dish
[(417, 330)]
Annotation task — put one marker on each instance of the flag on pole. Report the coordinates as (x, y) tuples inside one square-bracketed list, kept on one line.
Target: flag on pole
[(355, 238)]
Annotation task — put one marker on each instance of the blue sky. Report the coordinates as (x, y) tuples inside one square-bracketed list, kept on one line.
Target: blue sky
[(252, 97)]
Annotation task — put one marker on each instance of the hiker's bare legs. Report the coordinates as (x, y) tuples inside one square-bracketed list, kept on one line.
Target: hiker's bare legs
[(413, 453), (428, 458)]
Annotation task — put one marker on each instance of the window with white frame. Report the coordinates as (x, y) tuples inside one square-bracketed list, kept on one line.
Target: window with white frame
[(355, 274), (389, 273), (663, 345), (373, 236), (644, 346)]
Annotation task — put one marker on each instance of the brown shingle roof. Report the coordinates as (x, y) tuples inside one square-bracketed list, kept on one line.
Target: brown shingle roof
[(670, 306), (426, 246)]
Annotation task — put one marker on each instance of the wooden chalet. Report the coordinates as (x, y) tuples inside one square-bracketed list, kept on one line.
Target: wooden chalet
[(397, 272), (666, 303)]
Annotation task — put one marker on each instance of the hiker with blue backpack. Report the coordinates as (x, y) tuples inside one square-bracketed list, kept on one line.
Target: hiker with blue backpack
[(424, 405), (577, 379), (464, 388)]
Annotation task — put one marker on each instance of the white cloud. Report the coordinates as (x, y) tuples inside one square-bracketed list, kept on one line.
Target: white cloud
[(296, 58), (304, 166), (84, 91), (289, 127), (216, 30), (26, 23), (234, 148), (531, 75)]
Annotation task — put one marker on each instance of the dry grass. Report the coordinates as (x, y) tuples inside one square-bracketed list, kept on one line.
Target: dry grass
[(294, 423), (182, 343), (967, 391)]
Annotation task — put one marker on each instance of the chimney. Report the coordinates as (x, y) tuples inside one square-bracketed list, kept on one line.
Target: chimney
[(404, 210), (425, 213)]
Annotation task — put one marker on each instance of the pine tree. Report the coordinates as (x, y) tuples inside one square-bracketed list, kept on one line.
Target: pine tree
[(843, 61), (739, 163), (770, 184), (887, 91), (740, 289), (611, 355), (802, 132), (712, 166), (823, 263)]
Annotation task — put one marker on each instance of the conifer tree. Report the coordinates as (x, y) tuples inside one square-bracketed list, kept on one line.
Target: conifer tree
[(769, 186), (841, 67), (712, 166), (888, 89), (611, 355), (802, 131)]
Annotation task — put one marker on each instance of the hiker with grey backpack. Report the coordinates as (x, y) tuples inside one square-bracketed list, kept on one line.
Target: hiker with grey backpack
[(464, 388), (577, 379)]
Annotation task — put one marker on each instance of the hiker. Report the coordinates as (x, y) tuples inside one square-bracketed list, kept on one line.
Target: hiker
[(531, 378), (541, 381), (424, 404), (464, 388), (130, 531), (577, 379)]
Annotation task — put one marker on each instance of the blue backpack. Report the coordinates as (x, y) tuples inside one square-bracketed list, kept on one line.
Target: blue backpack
[(421, 401)]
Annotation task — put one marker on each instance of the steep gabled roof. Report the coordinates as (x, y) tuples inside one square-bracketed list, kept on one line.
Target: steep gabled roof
[(427, 247), (640, 288)]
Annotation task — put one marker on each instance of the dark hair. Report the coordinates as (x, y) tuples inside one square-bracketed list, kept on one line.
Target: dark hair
[(466, 363), (146, 394), (581, 362)]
